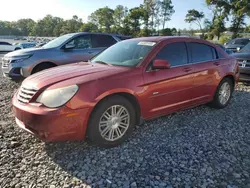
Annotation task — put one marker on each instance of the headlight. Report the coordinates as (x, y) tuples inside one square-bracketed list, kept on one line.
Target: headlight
[(18, 59), (57, 97), (239, 48)]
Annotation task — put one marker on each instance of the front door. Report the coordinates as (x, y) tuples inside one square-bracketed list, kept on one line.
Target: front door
[(168, 90), (82, 51)]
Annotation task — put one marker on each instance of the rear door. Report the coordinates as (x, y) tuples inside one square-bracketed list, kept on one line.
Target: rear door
[(169, 89), (206, 69)]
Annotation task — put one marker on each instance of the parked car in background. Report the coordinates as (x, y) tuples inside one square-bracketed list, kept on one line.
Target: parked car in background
[(24, 45), (122, 37), (132, 80), (237, 44), (7, 47), (40, 44), (225, 49), (243, 57), (70, 48)]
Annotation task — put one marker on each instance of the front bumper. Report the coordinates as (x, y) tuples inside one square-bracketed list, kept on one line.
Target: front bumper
[(59, 124), (16, 70), (245, 74)]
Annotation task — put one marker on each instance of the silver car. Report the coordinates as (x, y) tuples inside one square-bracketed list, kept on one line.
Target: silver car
[(70, 48)]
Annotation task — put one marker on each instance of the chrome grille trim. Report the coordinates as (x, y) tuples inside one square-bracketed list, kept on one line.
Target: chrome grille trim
[(244, 63), (25, 94)]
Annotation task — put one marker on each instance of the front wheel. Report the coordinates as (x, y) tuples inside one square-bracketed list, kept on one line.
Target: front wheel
[(112, 122), (223, 94)]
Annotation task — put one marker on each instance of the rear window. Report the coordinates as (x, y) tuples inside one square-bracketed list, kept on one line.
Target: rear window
[(201, 52)]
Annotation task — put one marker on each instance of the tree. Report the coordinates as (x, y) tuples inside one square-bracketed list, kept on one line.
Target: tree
[(103, 18), (167, 10), (134, 17), (151, 16), (239, 10), (194, 16), (120, 13), (89, 27), (25, 26)]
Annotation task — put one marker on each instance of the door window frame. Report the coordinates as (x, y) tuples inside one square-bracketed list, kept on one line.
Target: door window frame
[(190, 53), (90, 36), (158, 51)]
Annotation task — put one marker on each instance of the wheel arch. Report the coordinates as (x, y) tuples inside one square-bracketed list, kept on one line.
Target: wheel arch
[(231, 77), (41, 63), (127, 95)]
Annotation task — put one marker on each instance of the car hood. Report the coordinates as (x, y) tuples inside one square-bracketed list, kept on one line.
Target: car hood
[(82, 71), (242, 55), (234, 46), (24, 52)]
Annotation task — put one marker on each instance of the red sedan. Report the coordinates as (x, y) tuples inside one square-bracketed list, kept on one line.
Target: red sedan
[(136, 79)]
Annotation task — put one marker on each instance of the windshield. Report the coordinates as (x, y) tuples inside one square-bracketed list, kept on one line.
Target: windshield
[(240, 41), (58, 41), (246, 48), (126, 53)]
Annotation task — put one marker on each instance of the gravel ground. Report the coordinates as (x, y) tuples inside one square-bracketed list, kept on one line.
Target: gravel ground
[(201, 147)]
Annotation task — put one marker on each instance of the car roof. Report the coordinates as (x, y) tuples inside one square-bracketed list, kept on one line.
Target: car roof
[(163, 38), (82, 33)]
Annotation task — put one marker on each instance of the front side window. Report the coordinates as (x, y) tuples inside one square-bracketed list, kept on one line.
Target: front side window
[(58, 41), (100, 41), (127, 53), (81, 42), (201, 52), (174, 53)]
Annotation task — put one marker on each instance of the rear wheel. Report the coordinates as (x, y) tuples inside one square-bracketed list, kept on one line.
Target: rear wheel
[(223, 94), (17, 49), (111, 122), (42, 67)]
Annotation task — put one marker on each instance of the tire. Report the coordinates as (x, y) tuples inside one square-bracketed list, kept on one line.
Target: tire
[(94, 130), (42, 67), (17, 49), (217, 103)]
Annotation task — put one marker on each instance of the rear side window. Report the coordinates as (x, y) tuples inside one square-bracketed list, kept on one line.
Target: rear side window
[(201, 52), (174, 53), (99, 41)]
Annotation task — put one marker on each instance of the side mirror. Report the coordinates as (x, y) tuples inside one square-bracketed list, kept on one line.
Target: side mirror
[(69, 46), (161, 64)]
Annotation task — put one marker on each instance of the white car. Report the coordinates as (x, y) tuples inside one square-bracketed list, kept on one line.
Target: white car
[(7, 47)]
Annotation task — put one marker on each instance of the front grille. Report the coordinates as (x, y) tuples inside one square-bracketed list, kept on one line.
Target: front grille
[(5, 62), (25, 94), (244, 63)]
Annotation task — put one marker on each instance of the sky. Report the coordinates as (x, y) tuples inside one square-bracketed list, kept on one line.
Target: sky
[(37, 9)]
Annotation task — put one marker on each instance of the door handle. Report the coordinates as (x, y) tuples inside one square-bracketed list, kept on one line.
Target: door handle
[(187, 69), (90, 52), (217, 63)]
